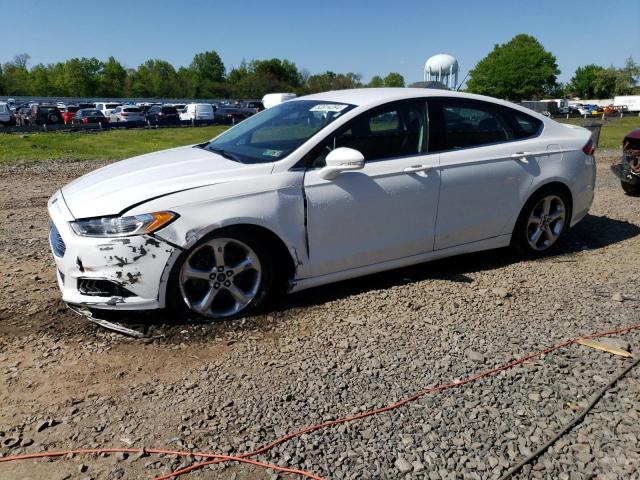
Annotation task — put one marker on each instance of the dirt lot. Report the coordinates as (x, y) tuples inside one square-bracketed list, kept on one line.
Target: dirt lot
[(328, 352)]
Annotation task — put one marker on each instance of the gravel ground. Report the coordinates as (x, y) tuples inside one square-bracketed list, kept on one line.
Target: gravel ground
[(329, 352)]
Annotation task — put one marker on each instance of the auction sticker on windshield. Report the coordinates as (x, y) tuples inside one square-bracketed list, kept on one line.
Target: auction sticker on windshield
[(328, 107)]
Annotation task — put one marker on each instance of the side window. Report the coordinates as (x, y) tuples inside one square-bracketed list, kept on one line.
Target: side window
[(459, 124), (524, 126), (396, 130)]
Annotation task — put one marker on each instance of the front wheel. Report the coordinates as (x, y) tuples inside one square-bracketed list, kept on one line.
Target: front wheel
[(224, 276), (543, 220), (629, 188)]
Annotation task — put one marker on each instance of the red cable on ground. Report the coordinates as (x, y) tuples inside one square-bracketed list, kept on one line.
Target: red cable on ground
[(244, 457), (221, 458), (403, 402)]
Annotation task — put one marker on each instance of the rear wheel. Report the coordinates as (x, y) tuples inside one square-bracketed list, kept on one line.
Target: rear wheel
[(543, 220), (224, 276), (632, 189)]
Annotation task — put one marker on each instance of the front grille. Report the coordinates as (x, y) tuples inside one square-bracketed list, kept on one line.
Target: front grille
[(101, 288), (57, 243)]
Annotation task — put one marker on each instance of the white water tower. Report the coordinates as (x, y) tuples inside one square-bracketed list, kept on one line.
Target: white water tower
[(442, 68)]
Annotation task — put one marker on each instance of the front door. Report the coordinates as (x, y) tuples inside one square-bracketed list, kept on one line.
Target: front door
[(383, 212)]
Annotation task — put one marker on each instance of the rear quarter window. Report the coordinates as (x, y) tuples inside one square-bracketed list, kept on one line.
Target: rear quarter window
[(524, 126)]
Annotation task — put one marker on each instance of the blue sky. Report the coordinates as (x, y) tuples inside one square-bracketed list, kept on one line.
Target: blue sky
[(366, 37)]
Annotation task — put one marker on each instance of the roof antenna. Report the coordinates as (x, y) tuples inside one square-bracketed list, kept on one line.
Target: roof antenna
[(465, 77)]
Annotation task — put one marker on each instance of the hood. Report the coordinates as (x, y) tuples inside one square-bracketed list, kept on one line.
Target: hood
[(116, 187)]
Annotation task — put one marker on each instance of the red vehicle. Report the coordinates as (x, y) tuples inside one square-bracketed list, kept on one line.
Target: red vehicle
[(628, 170), (68, 113)]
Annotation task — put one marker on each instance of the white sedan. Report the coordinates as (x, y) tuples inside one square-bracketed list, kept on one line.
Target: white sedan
[(315, 190)]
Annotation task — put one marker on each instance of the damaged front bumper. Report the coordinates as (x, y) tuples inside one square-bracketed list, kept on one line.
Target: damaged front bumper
[(107, 273), (623, 171)]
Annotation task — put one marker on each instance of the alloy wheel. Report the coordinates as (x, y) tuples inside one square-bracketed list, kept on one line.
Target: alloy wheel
[(546, 222), (220, 277)]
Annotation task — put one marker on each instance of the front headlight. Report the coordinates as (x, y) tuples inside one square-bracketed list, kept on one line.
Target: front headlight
[(123, 226)]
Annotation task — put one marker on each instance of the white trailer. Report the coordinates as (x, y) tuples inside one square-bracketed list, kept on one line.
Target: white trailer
[(632, 102)]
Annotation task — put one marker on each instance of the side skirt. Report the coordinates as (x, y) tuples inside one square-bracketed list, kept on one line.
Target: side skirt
[(487, 244)]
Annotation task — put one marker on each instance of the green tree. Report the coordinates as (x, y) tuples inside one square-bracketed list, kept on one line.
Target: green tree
[(40, 81), (605, 83), (16, 76), (208, 66), (376, 82), (333, 81), (582, 84), (516, 70), (81, 76), (394, 80), (628, 78), (112, 80), (207, 72), (154, 78), (258, 77)]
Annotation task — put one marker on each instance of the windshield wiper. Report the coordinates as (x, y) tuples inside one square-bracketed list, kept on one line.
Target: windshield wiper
[(223, 153)]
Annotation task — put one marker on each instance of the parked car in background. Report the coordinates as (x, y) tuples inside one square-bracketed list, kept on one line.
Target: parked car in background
[(44, 115), (628, 170), (230, 115), (89, 115), (178, 106), (316, 190), (162, 114), (106, 107), (197, 111), (273, 99), (21, 115), (69, 112), (127, 113), (252, 107), (6, 117)]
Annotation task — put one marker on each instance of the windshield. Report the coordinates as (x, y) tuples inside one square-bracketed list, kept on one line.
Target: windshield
[(276, 132)]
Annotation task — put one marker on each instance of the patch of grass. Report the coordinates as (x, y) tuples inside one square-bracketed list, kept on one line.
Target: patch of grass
[(120, 144), (613, 129), (108, 145)]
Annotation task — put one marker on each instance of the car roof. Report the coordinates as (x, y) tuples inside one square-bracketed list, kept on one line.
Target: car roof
[(364, 97)]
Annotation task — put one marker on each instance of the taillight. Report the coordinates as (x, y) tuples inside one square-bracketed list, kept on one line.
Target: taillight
[(85, 120), (124, 114), (589, 148)]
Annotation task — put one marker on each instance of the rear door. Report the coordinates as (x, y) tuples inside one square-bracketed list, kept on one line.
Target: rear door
[(487, 161), (383, 212)]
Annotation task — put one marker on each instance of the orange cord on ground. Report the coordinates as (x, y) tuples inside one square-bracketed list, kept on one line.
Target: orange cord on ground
[(221, 458), (244, 458)]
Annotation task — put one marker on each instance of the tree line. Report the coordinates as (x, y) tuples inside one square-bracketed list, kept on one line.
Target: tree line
[(205, 77), (522, 69)]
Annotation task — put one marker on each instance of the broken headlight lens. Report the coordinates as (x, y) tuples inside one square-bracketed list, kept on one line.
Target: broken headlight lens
[(123, 226)]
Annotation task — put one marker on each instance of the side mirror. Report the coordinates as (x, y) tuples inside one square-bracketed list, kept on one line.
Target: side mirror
[(340, 160)]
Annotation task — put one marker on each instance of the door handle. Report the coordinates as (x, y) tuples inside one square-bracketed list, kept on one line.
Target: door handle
[(522, 156), (417, 168)]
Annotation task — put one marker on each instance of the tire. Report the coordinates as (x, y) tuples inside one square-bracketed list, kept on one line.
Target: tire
[(238, 288), (632, 189), (53, 118), (550, 208)]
